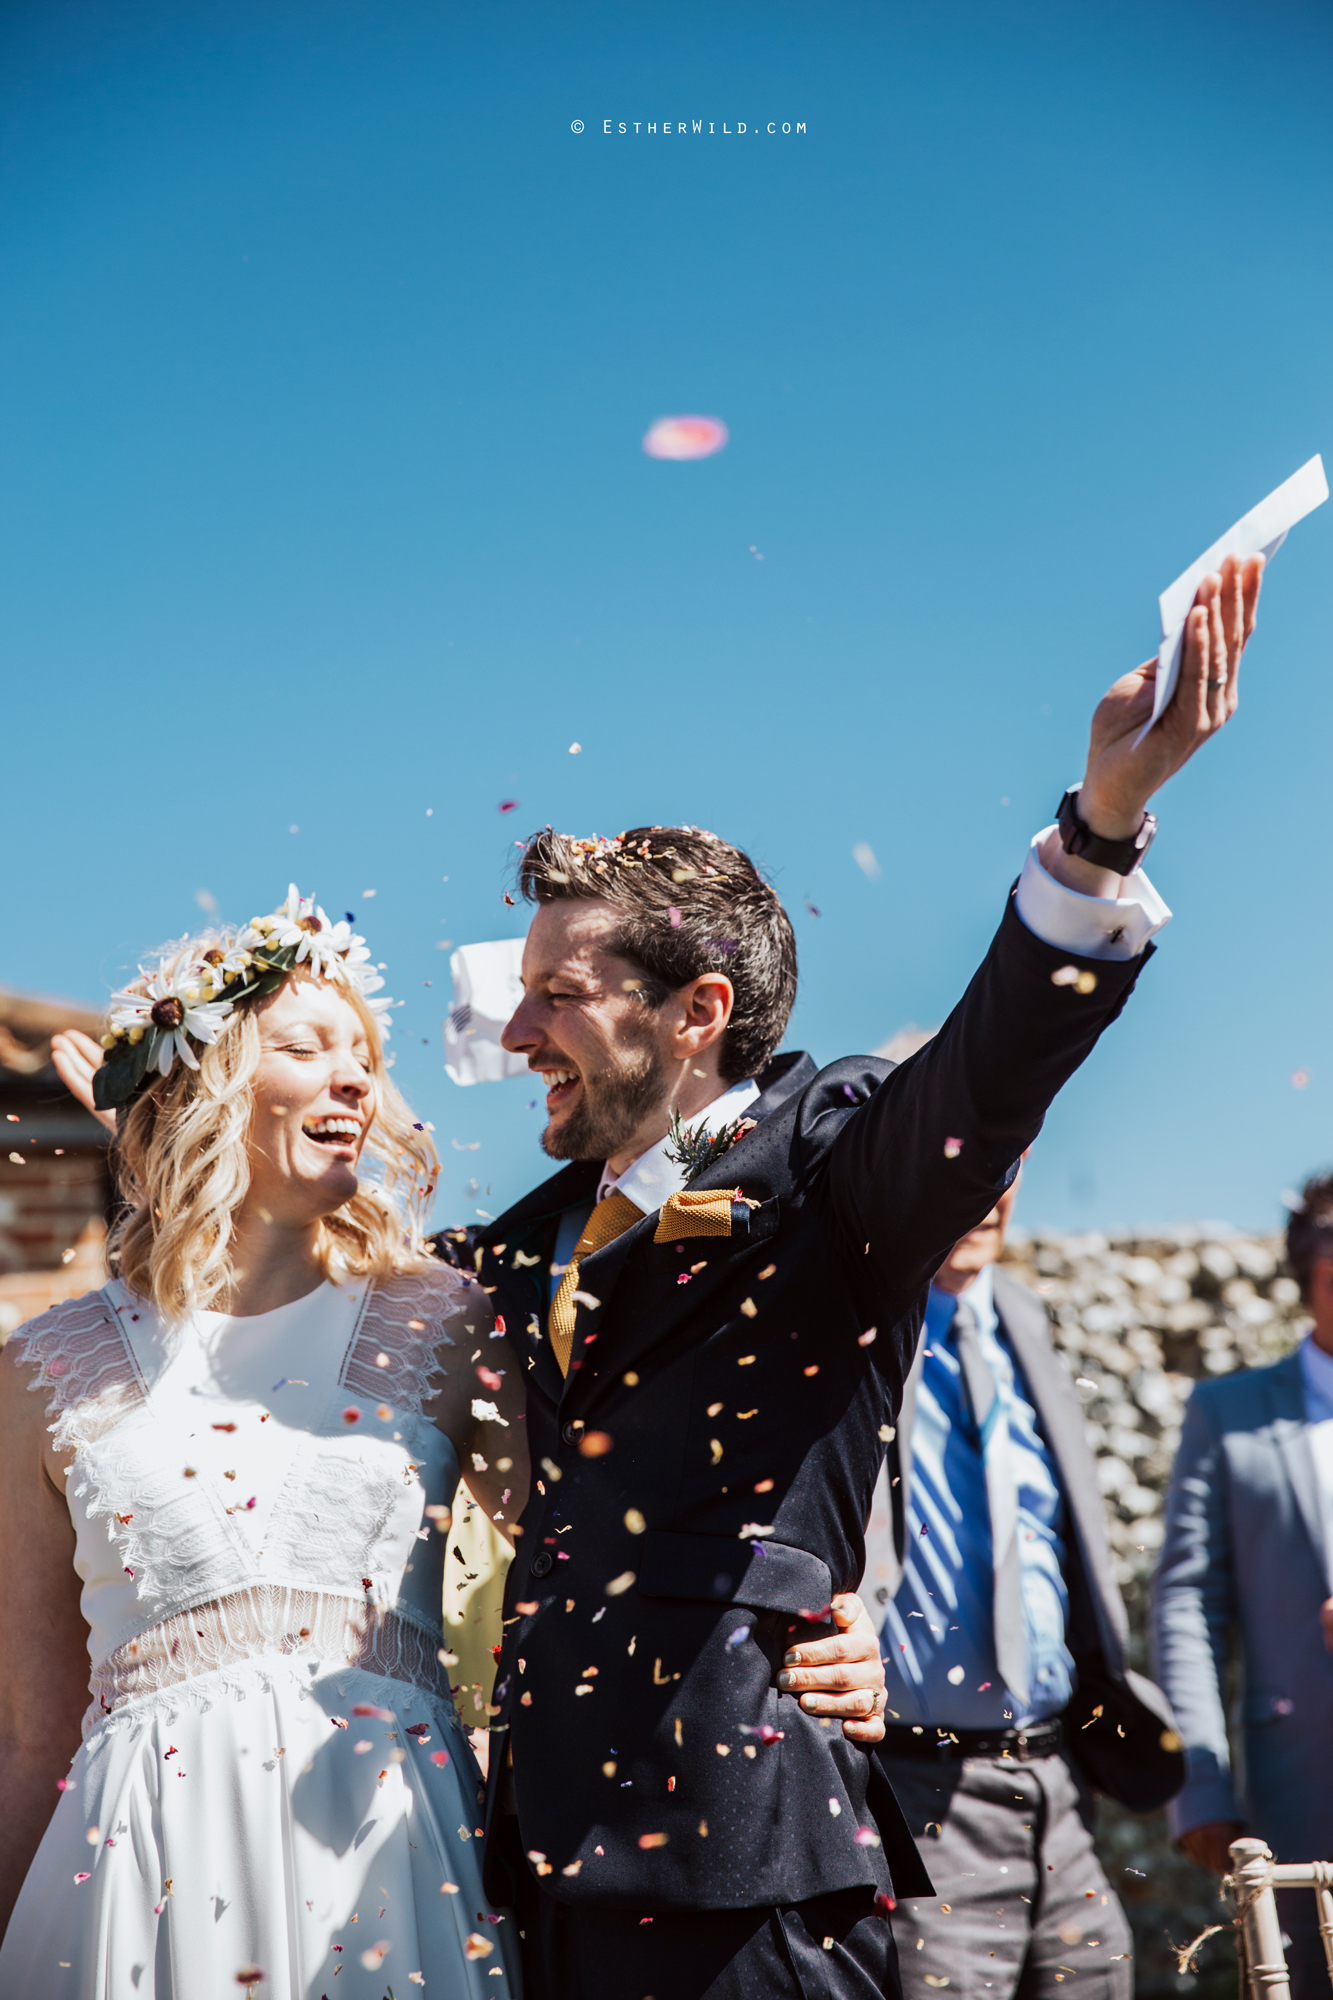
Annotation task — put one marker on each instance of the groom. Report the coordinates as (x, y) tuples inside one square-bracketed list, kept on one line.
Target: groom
[(714, 1324)]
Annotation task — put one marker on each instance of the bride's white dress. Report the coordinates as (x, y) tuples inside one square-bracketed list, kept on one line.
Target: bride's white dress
[(272, 1774)]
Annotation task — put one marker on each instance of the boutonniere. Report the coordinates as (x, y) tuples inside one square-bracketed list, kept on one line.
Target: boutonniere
[(697, 1151)]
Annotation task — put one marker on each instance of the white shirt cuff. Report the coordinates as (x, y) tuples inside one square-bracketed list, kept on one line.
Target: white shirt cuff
[(1092, 926)]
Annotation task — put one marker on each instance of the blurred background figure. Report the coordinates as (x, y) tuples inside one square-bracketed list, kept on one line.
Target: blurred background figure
[(1005, 1642), (1245, 1579), (55, 1189)]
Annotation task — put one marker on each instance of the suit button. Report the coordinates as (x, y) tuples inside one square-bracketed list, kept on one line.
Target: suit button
[(542, 1563), (572, 1432)]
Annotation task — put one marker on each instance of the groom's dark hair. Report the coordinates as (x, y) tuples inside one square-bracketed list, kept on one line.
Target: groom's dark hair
[(688, 904)]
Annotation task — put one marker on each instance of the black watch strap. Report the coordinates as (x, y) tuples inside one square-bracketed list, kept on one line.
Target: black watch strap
[(1122, 857)]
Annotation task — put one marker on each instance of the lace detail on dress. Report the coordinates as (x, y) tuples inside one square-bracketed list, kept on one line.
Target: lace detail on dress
[(85, 1367), (268, 1619), (406, 1319)]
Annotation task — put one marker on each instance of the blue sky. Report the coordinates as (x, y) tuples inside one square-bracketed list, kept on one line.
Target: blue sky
[(326, 347)]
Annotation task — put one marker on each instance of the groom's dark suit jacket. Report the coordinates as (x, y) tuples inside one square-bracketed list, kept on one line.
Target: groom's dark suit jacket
[(745, 1385)]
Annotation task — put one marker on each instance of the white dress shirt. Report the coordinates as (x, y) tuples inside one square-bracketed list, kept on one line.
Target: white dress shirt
[(1093, 926)]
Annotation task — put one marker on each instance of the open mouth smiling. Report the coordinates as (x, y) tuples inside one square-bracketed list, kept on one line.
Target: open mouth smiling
[(560, 1086), (333, 1132)]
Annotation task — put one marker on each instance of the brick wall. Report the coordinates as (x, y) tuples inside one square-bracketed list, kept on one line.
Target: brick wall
[(46, 1202)]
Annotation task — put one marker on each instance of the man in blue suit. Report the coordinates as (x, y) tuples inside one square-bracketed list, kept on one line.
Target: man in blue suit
[(1245, 1572)]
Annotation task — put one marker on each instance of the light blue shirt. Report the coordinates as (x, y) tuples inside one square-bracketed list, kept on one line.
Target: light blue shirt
[(941, 1620)]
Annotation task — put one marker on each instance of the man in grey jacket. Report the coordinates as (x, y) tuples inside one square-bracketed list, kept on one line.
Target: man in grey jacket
[(1245, 1573)]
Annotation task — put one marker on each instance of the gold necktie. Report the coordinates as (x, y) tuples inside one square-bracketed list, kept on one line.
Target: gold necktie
[(611, 1218)]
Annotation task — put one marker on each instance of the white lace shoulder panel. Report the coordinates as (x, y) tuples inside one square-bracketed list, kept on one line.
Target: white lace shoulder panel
[(407, 1319), (85, 1366)]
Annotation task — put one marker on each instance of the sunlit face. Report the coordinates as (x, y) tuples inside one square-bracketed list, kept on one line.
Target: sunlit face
[(586, 1032), (314, 1099)]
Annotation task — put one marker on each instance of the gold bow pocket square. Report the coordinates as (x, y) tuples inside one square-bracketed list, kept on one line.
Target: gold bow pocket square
[(706, 1212)]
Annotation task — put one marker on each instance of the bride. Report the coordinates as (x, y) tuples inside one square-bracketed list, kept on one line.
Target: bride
[(231, 1490)]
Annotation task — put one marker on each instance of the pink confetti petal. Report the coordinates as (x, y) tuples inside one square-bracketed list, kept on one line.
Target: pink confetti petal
[(685, 437)]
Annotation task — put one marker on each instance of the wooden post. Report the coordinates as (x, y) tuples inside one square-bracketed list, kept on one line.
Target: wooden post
[(1251, 1888), (1316, 1875)]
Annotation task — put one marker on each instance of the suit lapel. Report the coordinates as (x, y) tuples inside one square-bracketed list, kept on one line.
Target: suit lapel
[(1286, 1400), (899, 1494), (1024, 1321), (600, 1274), (598, 1277)]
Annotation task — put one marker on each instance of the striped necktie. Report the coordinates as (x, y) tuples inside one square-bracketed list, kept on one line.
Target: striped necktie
[(1011, 1648), (611, 1218)]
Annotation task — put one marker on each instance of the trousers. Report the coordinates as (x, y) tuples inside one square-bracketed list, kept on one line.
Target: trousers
[(834, 1947), (1021, 1904)]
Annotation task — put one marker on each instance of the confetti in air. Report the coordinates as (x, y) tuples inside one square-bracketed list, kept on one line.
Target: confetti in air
[(685, 437)]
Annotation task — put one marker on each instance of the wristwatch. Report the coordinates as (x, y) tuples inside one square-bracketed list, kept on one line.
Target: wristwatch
[(1122, 857)]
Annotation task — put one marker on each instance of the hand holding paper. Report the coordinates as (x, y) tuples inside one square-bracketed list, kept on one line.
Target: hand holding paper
[(1261, 532), (1155, 718)]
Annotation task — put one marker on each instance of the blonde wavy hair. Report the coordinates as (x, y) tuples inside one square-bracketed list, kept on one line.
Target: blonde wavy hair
[(183, 1170)]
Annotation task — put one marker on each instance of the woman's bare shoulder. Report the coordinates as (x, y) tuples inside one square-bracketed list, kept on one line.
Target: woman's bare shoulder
[(25, 1412)]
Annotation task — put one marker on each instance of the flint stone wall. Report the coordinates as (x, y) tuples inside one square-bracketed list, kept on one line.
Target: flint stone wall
[(1137, 1320)]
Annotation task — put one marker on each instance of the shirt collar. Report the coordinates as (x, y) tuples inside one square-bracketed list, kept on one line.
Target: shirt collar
[(651, 1179), (943, 1305)]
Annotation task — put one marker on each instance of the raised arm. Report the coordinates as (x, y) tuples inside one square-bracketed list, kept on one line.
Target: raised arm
[(43, 1638), (928, 1152)]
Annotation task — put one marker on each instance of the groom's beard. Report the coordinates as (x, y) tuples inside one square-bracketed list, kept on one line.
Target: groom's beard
[(613, 1105)]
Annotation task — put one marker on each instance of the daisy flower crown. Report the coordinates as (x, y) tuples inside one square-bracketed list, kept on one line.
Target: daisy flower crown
[(188, 996)]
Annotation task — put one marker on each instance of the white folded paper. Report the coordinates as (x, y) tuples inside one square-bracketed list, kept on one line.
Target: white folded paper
[(487, 989), (1261, 532)]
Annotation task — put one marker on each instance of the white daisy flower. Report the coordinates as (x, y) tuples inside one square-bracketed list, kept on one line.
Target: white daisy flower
[(172, 1006), (225, 963), (319, 942), (340, 941), (294, 920)]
